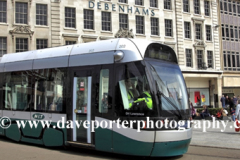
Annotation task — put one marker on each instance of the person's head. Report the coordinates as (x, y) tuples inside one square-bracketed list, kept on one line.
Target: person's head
[(128, 83), (204, 106), (226, 96), (234, 96), (222, 95)]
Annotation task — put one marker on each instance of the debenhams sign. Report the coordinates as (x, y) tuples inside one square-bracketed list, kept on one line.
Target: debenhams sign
[(120, 8)]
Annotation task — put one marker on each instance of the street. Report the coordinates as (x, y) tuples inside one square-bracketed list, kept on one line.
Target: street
[(23, 151)]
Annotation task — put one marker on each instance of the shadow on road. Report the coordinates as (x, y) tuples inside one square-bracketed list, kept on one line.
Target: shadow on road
[(88, 153)]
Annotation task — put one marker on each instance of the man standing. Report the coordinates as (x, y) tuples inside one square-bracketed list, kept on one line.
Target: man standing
[(223, 100), (235, 101)]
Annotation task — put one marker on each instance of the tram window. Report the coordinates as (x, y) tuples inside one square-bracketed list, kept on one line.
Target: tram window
[(18, 91), (103, 91), (133, 96), (48, 93)]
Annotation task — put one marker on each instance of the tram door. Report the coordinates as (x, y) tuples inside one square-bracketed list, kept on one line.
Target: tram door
[(81, 111)]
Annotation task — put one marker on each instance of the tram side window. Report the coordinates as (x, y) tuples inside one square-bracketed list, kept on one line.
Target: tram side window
[(17, 90), (103, 91), (133, 96), (48, 90)]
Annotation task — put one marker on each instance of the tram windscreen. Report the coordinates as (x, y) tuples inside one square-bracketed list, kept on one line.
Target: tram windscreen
[(170, 85)]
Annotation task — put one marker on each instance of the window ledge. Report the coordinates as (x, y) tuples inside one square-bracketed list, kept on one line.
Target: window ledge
[(110, 32), (126, 4), (168, 37), (155, 36), (139, 6), (209, 41), (207, 16), (89, 30), (188, 39), (106, 1), (154, 8), (66, 28), (19, 24), (141, 35), (186, 13), (39, 26), (168, 10), (4, 24), (198, 15)]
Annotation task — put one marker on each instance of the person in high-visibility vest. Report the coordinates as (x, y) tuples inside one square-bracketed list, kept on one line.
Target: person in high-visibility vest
[(146, 97)]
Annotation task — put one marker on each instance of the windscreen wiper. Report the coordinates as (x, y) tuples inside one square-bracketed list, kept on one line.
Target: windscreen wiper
[(159, 94)]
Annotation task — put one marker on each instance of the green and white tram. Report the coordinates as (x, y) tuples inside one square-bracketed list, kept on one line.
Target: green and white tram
[(98, 81)]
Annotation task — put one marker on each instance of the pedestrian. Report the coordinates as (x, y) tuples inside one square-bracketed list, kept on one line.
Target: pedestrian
[(231, 104), (235, 101), (233, 114), (237, 111), (223, 100), (205, 112), (226, 101)]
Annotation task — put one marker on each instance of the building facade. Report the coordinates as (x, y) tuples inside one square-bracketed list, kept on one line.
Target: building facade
[(230, 31), (190, 27)]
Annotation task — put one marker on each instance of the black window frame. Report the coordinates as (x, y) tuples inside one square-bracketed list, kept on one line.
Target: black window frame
[(41, 14)]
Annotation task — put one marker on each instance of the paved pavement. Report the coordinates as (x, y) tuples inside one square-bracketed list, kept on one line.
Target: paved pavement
[(213, 137)]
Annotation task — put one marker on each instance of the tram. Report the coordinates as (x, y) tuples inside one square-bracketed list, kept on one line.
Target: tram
[(89, 82)]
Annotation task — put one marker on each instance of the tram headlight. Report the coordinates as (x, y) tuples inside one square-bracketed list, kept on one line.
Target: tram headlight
[(118, 56)]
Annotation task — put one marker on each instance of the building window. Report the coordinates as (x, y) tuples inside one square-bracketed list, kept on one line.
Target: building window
[(153, 3), (168, 27), (207, 8), (154, 26), (199, 58), (221, 6), (139, 2), (21, 44), (238, 9), (234, 8), (187, 29), (70, 17), (225, 7), (198, 31), (70, 42), (140, 24), (185, 5), (196, 7), (106, 21), (21, 13), (122, 1), (210, 59), (236, 33), (188, 57), (123, 21), (208, 33), (42, 43), (231, 33), (167, 4), (227, 32), (223, 32), (229, 7), (88, 19), (41, 14), (3, 46), (3, 11)]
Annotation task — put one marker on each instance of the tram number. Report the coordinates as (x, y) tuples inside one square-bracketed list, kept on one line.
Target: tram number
[(91, 50), (122, 46)]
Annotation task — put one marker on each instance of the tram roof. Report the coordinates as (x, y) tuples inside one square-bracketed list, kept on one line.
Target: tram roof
[(76, 49)]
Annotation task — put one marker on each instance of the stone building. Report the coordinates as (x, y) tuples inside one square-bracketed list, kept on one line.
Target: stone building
[(230, 32), (190, 27)]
